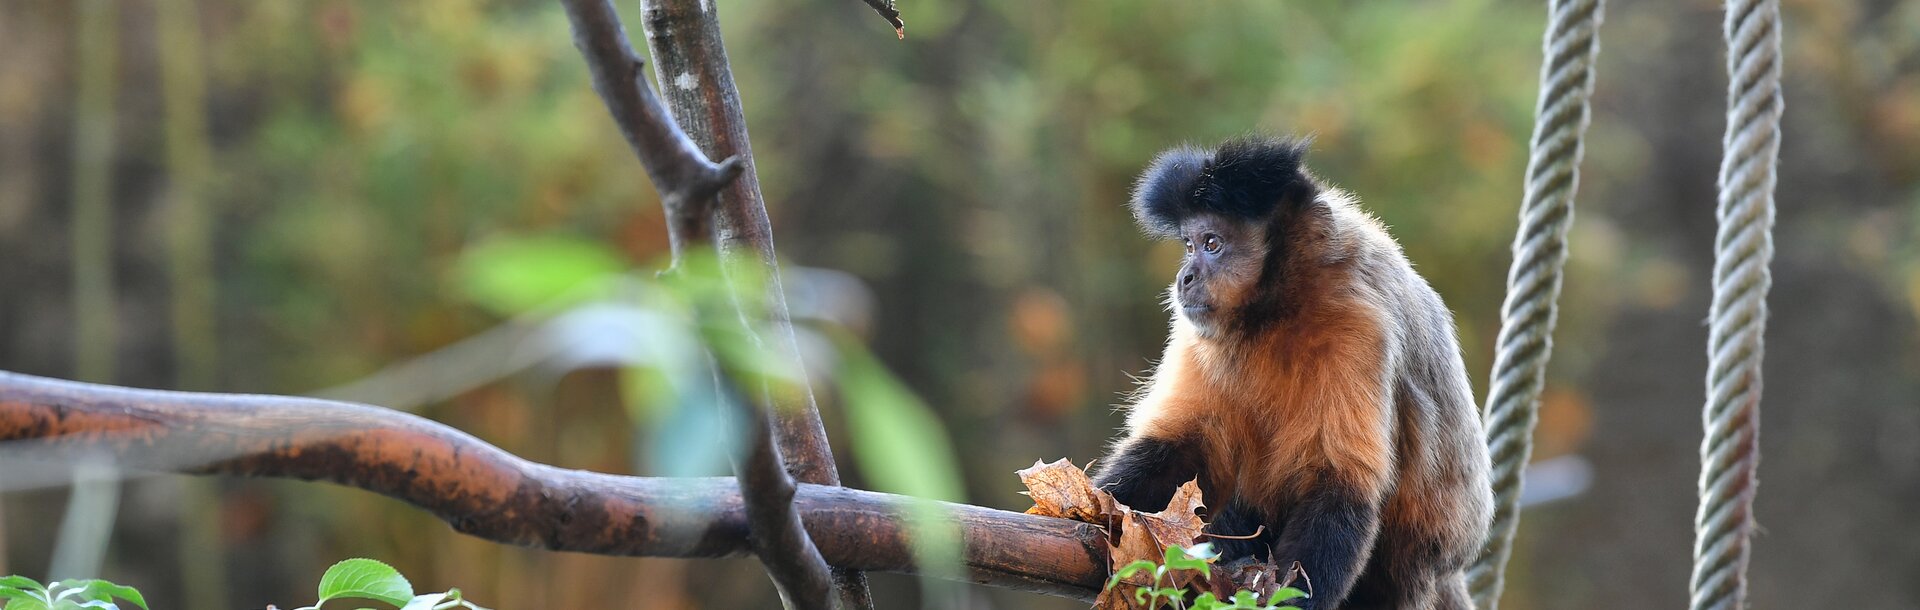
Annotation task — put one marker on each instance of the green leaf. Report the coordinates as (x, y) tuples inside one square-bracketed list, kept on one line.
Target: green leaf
[(900, 443), (1186, 559), (1172, 554), (1129, 570), (100, 590), (903, 448), (366, 579), (1245, 599), (7, 593), (512, 275), (27, 603), (22, 582), (1284, 594)]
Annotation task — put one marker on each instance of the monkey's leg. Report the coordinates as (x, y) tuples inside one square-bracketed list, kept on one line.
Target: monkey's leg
[(1406, 570), (1143, 473), (1330, 533)]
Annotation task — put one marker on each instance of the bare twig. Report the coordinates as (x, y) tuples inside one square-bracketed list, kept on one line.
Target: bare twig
[(891, 14), (691, 65), (1256, 534), (688, 183), (485, 492), (686, 179), (779, 540)]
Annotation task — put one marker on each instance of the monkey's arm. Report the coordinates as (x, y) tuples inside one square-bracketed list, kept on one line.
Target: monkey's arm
[(1143, 472)]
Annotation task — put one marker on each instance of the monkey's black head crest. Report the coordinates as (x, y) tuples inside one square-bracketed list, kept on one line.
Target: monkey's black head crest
[(1244, 179)]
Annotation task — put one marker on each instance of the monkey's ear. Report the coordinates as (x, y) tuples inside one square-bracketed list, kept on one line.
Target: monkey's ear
[(1165, 192)]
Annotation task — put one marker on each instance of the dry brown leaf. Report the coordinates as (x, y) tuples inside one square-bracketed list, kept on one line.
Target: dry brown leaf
[(1186, 501), (1262, 578), (1179, 523), (1130, 542), (1061, 490), (1120, 597), (1133, 542)]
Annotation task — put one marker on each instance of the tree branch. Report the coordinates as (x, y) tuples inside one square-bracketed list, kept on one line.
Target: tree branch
[(486, 492), (686, 179), (692, 68), (688, 182), (780, 540), (887, 11), (691, 64)]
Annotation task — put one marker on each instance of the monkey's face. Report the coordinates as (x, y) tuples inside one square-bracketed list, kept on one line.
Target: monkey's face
[(1220, 271)]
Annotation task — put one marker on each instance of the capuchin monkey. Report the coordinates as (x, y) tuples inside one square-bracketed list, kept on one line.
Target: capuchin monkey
[(1312, 384)]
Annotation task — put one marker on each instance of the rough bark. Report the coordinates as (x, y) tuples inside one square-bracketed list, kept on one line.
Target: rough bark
[(483, 491)]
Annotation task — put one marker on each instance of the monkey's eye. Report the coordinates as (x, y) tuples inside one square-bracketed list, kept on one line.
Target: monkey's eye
[(1189, 244), (1212, 245)]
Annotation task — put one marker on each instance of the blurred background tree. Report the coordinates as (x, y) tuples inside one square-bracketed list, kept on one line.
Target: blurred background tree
[(386, 179)]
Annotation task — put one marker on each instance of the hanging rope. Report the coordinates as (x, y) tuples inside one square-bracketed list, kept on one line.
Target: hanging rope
[(1533, 282), (1730, 452)]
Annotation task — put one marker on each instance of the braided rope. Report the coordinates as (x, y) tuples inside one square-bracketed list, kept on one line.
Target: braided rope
[(1730, 452), (1533, 282)]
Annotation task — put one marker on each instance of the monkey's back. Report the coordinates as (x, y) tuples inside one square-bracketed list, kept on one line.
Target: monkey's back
[(1442, 503)]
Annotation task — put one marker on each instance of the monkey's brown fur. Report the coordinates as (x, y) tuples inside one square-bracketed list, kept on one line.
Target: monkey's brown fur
[(1319, 393)]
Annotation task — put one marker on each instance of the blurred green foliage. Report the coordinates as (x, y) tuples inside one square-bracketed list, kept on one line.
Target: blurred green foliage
[(512, 275), (22, 593), (388, 178)]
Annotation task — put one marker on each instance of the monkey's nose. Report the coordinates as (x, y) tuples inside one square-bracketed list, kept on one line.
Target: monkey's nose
[(1186, 278)]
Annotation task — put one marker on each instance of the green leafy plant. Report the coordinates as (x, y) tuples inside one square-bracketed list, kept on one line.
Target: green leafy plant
[(350, 579), (22, 593), (369, 579), (1164, 591)]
